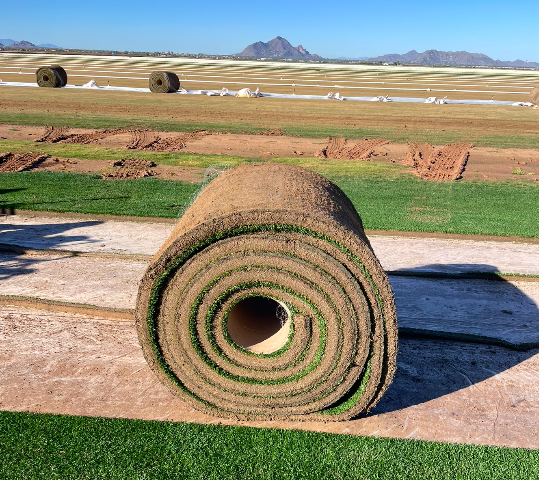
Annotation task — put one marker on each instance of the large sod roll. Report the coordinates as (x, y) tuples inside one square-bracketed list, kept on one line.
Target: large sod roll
[(534, 96), (267, 302), (52, 77), (164, 82)]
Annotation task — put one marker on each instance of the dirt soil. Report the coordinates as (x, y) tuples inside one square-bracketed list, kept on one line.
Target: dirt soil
[(137, 139), (18, 162), (443, 391), (484, 163), (438, 164), (129, 169), (114, 171), (338, 148)]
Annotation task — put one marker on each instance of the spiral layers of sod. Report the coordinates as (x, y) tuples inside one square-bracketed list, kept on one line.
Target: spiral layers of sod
[(164, 82), (340, 354), (52, 77)]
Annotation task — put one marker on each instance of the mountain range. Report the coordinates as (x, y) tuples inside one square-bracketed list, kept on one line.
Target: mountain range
[(453, 59), (8, 42), (279, 47)]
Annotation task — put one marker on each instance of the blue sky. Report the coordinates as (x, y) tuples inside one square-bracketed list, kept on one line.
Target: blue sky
[(501, 29)]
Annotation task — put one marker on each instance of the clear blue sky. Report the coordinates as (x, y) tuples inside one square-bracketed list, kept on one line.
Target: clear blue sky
[(504, 30)]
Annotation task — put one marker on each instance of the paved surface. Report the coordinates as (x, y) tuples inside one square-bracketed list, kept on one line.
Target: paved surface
[(395, 253), (443, 391)]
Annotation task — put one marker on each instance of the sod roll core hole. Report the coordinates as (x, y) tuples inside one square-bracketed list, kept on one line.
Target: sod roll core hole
[(259, 324)]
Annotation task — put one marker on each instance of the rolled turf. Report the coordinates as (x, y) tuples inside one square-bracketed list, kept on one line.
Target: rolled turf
[(52, 77), (164, 82), (534, 95), (267, 301)]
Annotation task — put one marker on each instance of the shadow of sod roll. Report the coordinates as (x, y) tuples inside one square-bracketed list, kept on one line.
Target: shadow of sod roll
[(164, 82), (52, 77), (267, 301)]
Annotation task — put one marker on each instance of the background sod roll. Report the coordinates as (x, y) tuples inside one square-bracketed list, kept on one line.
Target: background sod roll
[(534, 96), (164, 82), (267, 302), (53, 76)]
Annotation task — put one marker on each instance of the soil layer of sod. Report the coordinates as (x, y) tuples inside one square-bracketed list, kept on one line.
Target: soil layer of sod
[(269, 231)]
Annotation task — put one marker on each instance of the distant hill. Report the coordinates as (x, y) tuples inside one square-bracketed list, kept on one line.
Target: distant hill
[(279, 47), (23, 44), (452, 59), (7, 42)]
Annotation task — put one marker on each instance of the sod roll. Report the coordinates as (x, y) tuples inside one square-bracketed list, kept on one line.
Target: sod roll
[(267, 301), (534, 96), (52, 77), (164, 82)]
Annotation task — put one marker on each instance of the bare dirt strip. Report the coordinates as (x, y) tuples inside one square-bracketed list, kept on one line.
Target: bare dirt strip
[(443, 391), (483, 163)]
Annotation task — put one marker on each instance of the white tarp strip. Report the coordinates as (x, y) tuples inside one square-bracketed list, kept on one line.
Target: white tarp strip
[(277, 95)]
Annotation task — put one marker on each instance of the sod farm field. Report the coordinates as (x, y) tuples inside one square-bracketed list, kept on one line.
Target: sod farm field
[(88, 158)]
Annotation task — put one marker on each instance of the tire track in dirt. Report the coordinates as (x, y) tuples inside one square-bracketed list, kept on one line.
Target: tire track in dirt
[(438, 164), (338, 148), (19, 162)]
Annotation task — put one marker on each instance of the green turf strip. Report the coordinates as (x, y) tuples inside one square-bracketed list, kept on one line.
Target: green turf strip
[(384, 201), (59, 447)]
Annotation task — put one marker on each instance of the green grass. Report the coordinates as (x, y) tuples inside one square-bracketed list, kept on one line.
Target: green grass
[(384, 198), (59, 447), (68, 192), (410, 204)]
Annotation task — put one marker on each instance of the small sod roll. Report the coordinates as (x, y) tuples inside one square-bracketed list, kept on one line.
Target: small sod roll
[(62, 73), (164, 82), (534, 96), (52, 77), (267, 301)]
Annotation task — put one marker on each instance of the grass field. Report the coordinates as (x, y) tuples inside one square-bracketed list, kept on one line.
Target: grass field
[(384, 200), (280, 77), (493, 126), (57, 447), (43, 446)]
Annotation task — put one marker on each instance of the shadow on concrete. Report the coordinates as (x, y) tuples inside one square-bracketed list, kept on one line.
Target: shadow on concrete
[(14, 262), (429, 367)]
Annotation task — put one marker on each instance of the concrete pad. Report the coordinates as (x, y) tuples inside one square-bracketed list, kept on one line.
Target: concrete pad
[(62, 233), (455, 256), (443, 391), (395, 253), (501, 310), (103, 282), (506, 310)]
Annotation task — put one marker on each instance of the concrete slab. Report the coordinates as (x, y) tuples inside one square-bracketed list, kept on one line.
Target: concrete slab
[(506, 310), (413, 254), (443, 391), (104, 282), (503, 310)]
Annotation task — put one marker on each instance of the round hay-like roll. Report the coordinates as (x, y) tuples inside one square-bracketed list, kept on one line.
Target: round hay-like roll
[(164, 82), (52, 77), (267, 301), (534, 96)]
